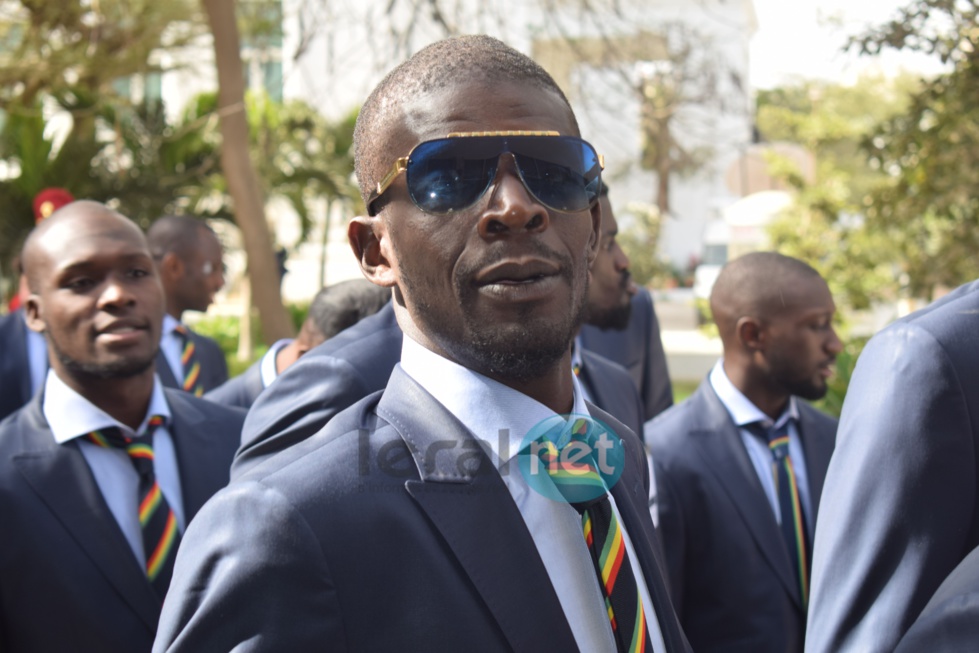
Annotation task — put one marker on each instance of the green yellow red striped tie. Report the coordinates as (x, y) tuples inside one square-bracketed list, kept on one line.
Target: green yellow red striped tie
[(156, 519), (603, 537), (189, 362), (793, 524)]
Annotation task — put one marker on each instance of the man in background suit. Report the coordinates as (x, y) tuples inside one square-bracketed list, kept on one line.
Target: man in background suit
[(901, 507), (332, 310), (359, 361), (621, 324), (188, 257), (393, 528), (734, 583), (75, 565)]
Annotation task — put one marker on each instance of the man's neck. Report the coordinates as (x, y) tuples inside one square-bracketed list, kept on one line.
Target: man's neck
[(124, 399), (753, 385)]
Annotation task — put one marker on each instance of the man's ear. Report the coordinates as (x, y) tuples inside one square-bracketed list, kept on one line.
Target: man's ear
[(171, 266), (370, 243), (596, 233), (751, 333), (33, 314)]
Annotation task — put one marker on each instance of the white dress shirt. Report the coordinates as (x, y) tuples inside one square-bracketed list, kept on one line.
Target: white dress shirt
[(267, 366), (172, 346), (500, 417), (743, 412), (71, 417)]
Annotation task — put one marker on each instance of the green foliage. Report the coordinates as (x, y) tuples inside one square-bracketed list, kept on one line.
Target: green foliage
[(846, 361), (827, 225), (928, 208), (639, 231)]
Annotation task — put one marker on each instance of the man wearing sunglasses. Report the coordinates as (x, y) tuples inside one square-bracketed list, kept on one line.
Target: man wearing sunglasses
[(393, 528)]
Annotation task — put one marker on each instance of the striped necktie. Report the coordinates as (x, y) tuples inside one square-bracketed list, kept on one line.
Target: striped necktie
[(156, 519), (603, 537), (189, 362), (793, 524)]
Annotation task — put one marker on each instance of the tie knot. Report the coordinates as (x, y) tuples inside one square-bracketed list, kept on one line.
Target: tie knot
[(777, 437), (181, 330), (139, 450), (569, 458)]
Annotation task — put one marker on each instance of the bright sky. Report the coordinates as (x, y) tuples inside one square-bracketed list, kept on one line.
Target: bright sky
[(803, 38)]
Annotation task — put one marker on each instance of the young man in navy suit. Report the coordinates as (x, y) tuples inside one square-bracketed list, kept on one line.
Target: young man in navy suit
[(396, 527), (91, 530), (739, 584), (189, 260)]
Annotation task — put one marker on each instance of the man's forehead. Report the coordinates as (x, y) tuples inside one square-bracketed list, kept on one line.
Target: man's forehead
[(72, 243), (476, 107)]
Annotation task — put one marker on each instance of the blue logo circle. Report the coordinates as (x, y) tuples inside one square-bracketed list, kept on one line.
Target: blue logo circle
[(572, 458)]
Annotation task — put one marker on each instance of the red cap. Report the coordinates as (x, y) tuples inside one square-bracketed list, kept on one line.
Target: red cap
[(50, 200)]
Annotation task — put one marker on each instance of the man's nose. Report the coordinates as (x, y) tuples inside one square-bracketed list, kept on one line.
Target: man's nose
[(511, 208)]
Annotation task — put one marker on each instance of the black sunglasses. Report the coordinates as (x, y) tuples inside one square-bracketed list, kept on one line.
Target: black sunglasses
[(563, 173)]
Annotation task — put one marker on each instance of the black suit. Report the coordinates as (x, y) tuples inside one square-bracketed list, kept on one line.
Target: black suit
[(639, 350), (321, 547), (15, 369), (214, 368), (68, 579), (240, 391), (729, 569), (357, 362), (901, 506)]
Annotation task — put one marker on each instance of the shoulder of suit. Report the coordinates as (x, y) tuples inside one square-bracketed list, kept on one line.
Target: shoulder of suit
[(181, 402)]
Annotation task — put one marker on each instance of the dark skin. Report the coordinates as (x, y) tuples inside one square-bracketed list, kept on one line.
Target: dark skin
[(784, 350), (96, 297), (190, 282), (509, 271)]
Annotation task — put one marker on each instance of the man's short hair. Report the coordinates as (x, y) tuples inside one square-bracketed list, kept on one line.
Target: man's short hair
[(465, 58), (343, 304), (175, 233)]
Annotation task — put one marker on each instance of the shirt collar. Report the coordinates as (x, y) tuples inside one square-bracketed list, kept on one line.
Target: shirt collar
[(496, 414), (741, 409), (267, 368), (71, 415), (169, 324)]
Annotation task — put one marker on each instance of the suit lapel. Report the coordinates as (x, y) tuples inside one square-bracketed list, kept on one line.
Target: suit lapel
[(78, 505), (472, 509), (629, 493), (164, 372), (719, 444), (818, 448)]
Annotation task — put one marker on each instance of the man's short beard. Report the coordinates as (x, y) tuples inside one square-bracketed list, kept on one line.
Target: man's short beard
[(121, 369), (616, 318)]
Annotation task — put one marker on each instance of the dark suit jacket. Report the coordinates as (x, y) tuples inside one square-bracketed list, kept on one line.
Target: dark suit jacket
[(214, 368), (729, 568), (389, 530), (950, 621), (68, 579), (639, 350), (15, 370), (240, 391), (901, 505), (357, 362)]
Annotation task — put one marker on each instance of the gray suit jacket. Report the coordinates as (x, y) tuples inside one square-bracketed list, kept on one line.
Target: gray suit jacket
[(357, 362), (15, 370), (68, 579), (901, 505), (950, 621), (639, 350), (729, 569), (361, 538), (240, 391), (214, 368)]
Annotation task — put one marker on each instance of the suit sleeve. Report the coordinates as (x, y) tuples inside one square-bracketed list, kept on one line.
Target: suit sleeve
[(250, 576), (899, 497), (300, 402), (658, 390)]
